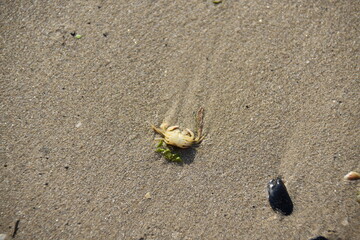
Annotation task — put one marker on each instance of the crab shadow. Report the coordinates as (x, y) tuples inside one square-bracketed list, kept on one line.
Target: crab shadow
[(187, 155)]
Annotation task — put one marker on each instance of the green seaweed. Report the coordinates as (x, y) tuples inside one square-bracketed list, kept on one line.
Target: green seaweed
[(166, 152)]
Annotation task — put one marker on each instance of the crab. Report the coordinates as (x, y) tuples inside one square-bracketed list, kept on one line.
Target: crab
[(173, 135)]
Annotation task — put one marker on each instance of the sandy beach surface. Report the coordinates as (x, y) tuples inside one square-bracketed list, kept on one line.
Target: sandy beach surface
[(81, 82)]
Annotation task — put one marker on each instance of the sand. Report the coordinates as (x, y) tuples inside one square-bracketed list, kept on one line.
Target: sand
[(279, 82)]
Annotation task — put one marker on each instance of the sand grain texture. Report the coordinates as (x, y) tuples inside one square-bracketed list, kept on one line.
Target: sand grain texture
[(279, 83)]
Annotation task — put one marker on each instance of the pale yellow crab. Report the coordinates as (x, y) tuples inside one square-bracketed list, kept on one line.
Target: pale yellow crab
[(174, 136)]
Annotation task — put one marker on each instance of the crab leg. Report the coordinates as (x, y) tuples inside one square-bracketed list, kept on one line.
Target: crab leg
[(172, 128), (190, 132), (199, 139), (158, 130)]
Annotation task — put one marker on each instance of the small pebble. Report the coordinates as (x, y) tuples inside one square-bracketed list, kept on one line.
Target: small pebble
[(147, 195), (345, 222)]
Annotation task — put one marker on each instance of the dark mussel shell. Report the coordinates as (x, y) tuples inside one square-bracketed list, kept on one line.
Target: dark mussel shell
[(279, 197)]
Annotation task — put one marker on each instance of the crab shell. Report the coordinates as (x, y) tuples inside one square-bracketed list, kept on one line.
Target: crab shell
[(174, 136)]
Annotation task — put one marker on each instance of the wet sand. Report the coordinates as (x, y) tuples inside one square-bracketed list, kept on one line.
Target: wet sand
[(279, 83)]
